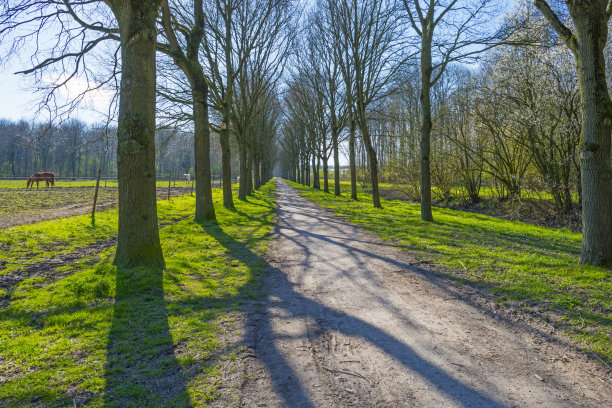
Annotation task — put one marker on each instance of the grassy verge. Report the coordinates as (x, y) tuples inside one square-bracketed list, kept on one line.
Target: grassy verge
[(535, 267), (131, 338)]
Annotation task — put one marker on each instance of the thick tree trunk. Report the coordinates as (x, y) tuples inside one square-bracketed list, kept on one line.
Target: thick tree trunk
[(204, 207), (138, 236), (426, 214), (373, 161), (315, 173), (249, 168), (226, 167), (325, 177), (352, 159), (242, 186), (336, 163), (596, 173), (257, 172)]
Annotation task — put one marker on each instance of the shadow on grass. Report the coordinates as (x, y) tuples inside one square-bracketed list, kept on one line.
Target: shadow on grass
[(141, 368)]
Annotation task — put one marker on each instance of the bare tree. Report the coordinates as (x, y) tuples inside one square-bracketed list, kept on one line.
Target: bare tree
[(587, 40), (83, 26), (449, 31), (185, 54), (368, 33)]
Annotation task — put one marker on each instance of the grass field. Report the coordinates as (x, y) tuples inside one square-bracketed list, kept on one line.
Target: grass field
[(535, 267), (14, 201), (89, 334), (60, 183)]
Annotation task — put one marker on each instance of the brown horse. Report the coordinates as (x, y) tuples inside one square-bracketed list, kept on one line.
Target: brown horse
[(39, 176)]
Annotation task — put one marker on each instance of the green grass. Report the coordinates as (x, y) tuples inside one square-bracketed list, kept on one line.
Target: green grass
[(13, 201), (456, 193), (21, 184), (25, 244), (131, 338), (61, 183), (536, 267)]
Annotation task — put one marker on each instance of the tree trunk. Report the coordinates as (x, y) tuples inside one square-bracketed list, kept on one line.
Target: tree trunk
[(373, 161), (336, 163), (242, 186), (315, 173), (249, 169), (596, 107), (352, 163), (257, 172), (204, 207), (226, 166), (138, 236), (325, 177), (426, 214)]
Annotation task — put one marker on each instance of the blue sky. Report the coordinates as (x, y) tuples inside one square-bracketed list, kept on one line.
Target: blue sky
[(17, 101)]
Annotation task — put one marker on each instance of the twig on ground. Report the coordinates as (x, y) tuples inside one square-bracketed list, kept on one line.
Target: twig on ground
[(345, 372)]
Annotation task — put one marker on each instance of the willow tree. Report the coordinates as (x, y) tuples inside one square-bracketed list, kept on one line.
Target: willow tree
[(587, 40)]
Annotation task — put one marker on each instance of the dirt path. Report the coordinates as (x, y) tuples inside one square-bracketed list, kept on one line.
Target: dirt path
[(349, 323)]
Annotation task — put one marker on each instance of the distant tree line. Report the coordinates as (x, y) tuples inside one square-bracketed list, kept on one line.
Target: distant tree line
[(75, 150)]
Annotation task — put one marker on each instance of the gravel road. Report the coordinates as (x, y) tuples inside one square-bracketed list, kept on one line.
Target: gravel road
[(348, 322)]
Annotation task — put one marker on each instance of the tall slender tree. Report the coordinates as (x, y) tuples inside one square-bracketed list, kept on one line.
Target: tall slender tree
[(449, 31), (186, 56)]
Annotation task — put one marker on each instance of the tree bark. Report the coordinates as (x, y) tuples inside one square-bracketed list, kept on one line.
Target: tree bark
[(352, 159), (596, 173), (226, 166), (138, 236), (336, 163), (204, 207), (590, 20), (325, 177), (373, 161), (315, 173), (242, 186), (426, 124)]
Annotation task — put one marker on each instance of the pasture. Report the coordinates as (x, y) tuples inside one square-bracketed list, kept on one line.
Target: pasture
[(67, 183), (68, 315), (25, 206)]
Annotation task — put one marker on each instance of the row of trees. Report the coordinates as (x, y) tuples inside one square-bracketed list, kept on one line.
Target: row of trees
[(69, 150), (224, 54), (394, 74), (352, 66), (75, 150)]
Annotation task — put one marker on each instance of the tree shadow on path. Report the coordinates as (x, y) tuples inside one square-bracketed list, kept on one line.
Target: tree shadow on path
[(294, 305)]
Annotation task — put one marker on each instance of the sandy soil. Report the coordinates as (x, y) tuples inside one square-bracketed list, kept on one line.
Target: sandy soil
[(349, 321)]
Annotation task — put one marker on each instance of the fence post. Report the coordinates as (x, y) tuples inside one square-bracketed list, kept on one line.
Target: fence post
[(93, 210), (169, 183)]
